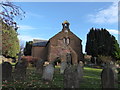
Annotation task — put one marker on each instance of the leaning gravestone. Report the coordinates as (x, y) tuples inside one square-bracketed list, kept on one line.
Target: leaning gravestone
[(6, 71), (107, 78), (63, 67), (48, 72), (20, 71), (39, 66)]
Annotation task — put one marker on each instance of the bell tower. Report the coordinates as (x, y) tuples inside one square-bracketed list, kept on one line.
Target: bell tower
[(65, 25)]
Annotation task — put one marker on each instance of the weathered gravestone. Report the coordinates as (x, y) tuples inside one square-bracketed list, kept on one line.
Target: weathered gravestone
[(39, 66), (107, 77), (115, 71), (20, 71), (72, 74), (69, 58), (71, 79), (6, 71), (63, 67), (80, 70), (48, 72)]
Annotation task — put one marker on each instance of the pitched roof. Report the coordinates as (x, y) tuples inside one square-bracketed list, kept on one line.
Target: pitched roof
[(41, 43)]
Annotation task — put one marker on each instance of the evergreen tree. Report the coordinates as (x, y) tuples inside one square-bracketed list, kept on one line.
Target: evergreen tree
[(116, 53), (101, 42), (28, 48)]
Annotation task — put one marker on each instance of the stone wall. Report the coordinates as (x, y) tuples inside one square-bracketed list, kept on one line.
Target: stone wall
[(59, 49), (39, 52)]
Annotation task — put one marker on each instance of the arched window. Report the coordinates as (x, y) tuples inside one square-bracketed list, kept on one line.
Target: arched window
[(68, 41), (64, 40)]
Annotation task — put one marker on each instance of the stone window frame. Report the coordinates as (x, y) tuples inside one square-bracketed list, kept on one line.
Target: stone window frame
[(66, 40)]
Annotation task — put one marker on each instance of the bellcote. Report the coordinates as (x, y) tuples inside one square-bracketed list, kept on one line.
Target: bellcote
[(65, 25)]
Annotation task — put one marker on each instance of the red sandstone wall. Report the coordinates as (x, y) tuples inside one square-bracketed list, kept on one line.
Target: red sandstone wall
[(57, 48), (39, 52)]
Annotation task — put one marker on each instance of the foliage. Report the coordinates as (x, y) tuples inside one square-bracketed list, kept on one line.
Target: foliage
[(116, 53), (118, 62), (8, 12), (87, 59), (101, 42), (105, 58), (28, 48), (10, 42), (30, 60)]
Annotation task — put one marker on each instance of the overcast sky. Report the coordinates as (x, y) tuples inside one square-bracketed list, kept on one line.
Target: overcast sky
[(44, 20)]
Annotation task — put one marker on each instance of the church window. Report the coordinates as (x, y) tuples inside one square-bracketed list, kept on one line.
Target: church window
[(68, 41), (64, 40)]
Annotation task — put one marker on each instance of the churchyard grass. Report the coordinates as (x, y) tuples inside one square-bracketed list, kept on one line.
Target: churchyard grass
[(91, 77), (91, 80)]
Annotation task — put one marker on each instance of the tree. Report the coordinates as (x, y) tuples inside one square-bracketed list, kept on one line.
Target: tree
[(10, 42), (28, 48), (101, 42), (116, 53), (8, 12)]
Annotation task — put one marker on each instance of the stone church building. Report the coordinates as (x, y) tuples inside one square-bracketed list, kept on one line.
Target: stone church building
[(63, 43)]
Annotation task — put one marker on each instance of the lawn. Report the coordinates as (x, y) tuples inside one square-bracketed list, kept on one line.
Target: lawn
[(91, 79)]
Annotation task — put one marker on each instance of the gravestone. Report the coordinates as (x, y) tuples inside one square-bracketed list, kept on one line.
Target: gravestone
[(115, 71), (69, 58), (71, 79), (6, 71), (20, 71), (73, 73), (63, 67), (107, 78), (39, 66), (48, 72), (80, 70)]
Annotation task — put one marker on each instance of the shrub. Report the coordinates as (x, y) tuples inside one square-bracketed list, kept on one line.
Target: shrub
[(105, 59), (30, 60)]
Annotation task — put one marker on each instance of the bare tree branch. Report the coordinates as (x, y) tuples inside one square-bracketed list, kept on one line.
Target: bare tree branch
[(9, 12)]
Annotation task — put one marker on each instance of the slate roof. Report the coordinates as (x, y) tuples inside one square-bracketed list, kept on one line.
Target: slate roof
[(41, 43)]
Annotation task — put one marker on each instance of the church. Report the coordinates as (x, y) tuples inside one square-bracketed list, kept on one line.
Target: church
[(63, 43)]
